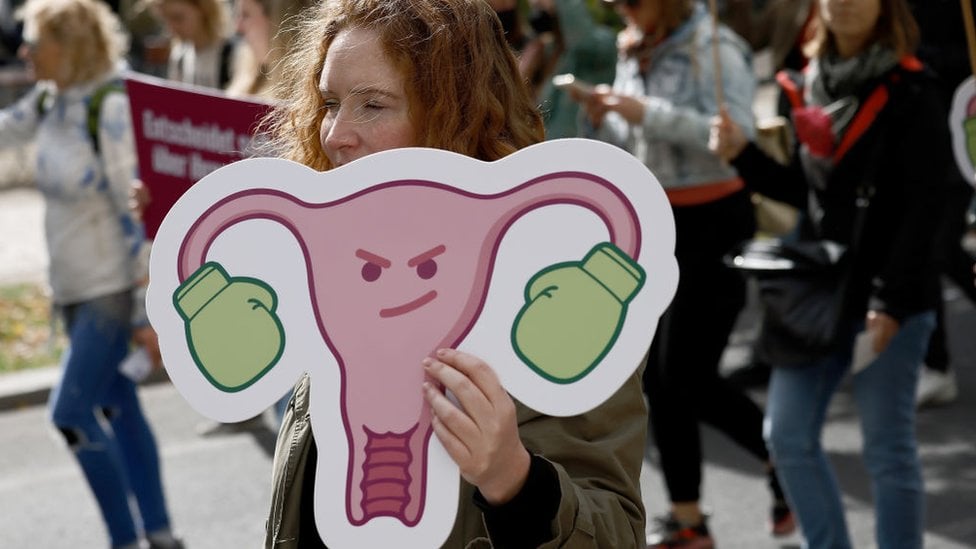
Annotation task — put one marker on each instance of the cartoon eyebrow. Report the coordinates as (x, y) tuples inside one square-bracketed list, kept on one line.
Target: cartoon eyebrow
[(373, 258), (429, 254)]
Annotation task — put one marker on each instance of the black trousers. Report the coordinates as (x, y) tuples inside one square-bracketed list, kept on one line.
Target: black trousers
[(682, 378)]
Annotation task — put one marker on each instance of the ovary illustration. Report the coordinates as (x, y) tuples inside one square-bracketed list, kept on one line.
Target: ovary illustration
[(962, 121), (396, 271)]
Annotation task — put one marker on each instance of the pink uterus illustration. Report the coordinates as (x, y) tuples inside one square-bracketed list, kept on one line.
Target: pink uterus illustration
[(395, 272)]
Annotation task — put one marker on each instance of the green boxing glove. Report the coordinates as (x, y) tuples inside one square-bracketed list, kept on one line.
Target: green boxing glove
[(574, 311), (969, 126), (232, 330)]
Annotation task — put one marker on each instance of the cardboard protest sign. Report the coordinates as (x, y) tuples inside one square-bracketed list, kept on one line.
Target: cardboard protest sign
[(962, 122), (552, 264), (182, 133)]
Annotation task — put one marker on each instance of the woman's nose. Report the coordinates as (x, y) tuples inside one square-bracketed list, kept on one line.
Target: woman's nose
[(338, 133)]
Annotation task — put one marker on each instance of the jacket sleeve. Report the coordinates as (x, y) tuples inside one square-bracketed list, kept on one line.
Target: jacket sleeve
[(18, 122), (596, 458), (921, 154), (764, 175), (118, 158), (689, 126)]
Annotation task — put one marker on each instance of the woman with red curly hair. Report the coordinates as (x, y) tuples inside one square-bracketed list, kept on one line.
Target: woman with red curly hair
[(372, 75)]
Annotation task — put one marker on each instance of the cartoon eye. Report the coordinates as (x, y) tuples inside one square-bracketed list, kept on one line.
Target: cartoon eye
[(427, 269), (371, 272)]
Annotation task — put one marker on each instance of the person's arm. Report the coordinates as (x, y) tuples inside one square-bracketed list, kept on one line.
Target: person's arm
[(579, 486), (597, 459), (760, 172), (18, 122), (688, 126), (920, 154), (117, 145)]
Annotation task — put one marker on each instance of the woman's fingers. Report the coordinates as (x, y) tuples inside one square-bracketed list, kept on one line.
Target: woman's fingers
[(441, 407)]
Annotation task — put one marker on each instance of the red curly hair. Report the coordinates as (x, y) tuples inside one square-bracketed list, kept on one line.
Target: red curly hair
[(463, 86)]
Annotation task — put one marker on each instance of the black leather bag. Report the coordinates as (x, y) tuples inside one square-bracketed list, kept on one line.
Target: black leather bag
[(801, 288)]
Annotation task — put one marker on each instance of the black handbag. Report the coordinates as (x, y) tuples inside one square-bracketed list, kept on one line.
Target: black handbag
[(802, 287)]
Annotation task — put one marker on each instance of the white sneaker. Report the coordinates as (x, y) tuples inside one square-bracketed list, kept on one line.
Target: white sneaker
[(935, 388)]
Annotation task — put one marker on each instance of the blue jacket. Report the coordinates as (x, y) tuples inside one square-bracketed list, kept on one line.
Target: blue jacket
[(678, 92)]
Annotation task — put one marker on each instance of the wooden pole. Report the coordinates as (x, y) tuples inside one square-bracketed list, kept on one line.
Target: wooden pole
[(717, 58), (967, 18)]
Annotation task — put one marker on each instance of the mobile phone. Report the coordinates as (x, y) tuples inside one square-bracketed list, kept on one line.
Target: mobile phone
[(569, 82)]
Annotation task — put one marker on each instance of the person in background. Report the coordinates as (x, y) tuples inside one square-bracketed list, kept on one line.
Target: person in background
[(659, 108), (782, 26), (529, 480), (943, 48), (513, 25), (75, 48), (570, 41), (264, 27), (867, 116), (268, 34), (201, 53)]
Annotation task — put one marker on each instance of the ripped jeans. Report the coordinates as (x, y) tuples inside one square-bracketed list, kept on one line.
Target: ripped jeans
[(97, 410)]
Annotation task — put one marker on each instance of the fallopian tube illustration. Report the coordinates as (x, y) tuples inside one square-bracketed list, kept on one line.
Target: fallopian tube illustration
[(396, 271)]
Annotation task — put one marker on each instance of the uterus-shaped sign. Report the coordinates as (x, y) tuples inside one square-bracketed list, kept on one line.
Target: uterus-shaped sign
[(962, 122), (397, 263)]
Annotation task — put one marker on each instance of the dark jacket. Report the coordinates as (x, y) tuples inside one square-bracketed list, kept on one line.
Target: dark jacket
[(584, 481), (904, 153)]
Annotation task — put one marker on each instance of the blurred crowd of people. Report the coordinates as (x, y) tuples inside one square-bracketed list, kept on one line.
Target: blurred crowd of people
[(864, 93)]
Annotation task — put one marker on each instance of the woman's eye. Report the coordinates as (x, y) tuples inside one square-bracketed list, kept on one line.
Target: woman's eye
[(330, 105), (371, 272), (427, 269)]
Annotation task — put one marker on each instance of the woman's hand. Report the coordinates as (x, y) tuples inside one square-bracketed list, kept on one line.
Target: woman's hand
[(883, 327), (726, 139), (604, 100), (481, 433), (138, 197)]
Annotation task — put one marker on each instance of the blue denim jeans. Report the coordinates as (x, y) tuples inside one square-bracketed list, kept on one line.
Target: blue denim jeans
[(97, 410), (885, 396)]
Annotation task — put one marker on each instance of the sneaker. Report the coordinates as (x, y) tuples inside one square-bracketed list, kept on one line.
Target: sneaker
[(781, 520), (176, 543), (668, 533), (164, 540), (935, 388)]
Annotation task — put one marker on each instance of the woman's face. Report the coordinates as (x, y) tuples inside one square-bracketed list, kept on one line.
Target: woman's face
[(851, 20), (364, 96), (42, 53), (254, 26), (643, 14), (183, 19)]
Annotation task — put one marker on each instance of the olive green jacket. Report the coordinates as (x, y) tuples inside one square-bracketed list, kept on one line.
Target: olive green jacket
[(597, 457)]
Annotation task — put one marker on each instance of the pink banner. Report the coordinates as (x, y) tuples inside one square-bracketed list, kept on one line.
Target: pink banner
[(183, 133)]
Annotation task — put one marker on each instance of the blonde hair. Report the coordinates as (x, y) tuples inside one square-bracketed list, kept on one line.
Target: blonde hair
[(896, 29), (213, 14), (462, 82), (255, 76), (91, 36)]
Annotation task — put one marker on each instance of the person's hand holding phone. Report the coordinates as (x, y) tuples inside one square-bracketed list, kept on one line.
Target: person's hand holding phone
[(599, 99)]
